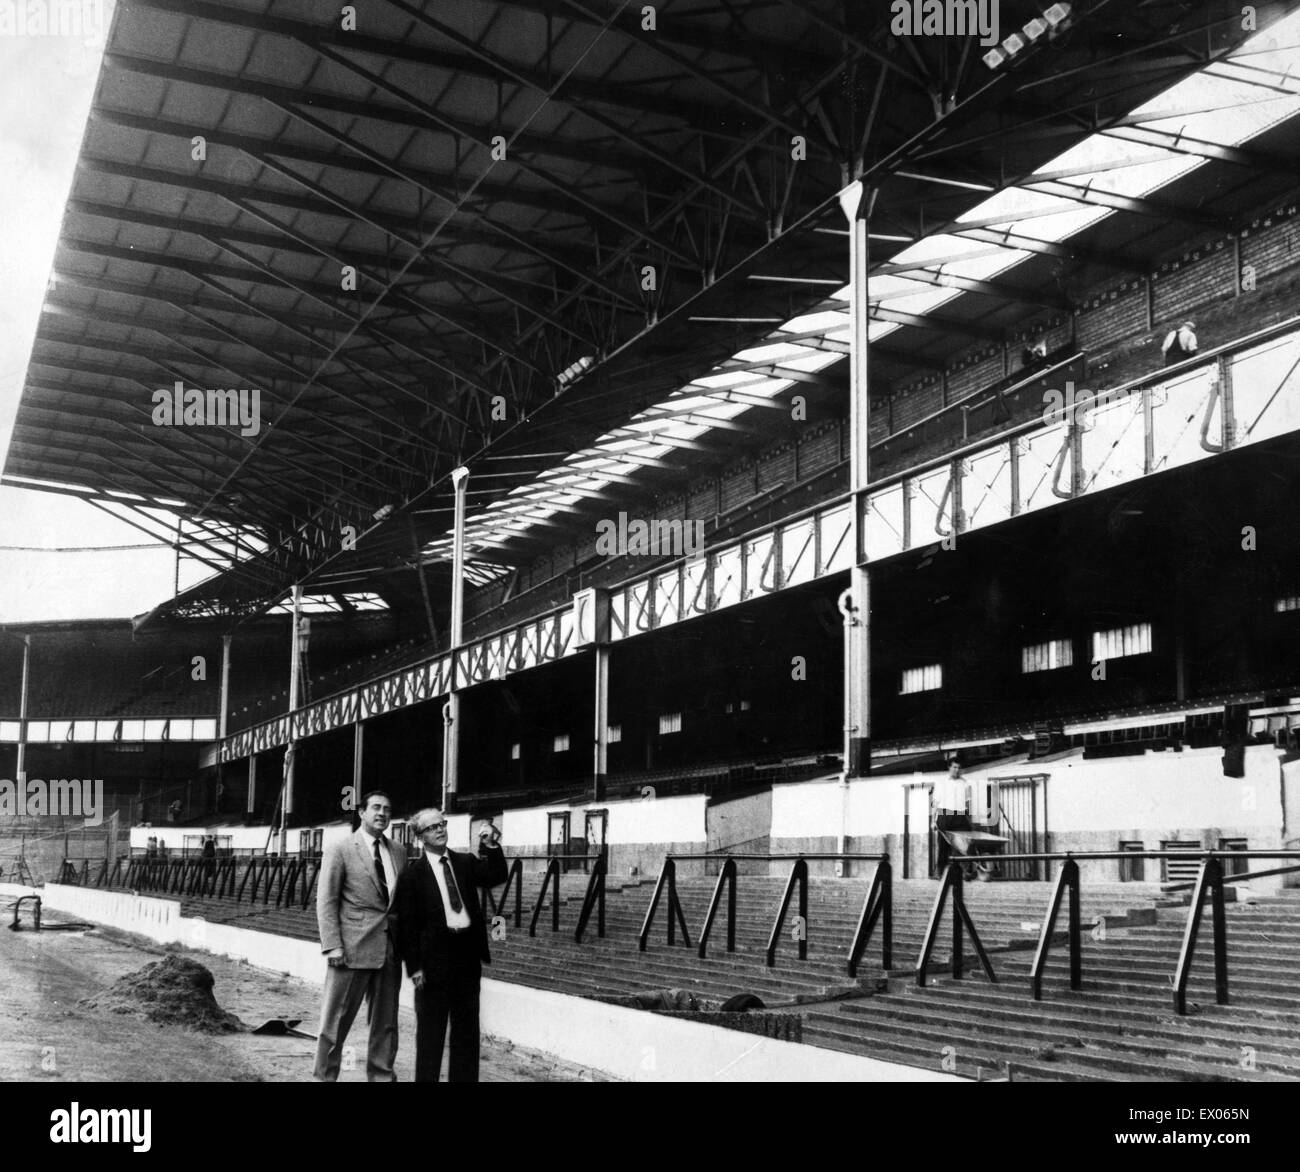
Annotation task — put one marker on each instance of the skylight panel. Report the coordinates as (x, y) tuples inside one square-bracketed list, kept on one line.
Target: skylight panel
[(1225, 104)]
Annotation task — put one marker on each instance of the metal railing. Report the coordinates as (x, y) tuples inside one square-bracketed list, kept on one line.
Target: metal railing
[(952, 885), (879, 906), (593, 900), (876, 909), (667, 882), (550, 883), (1208, 887), (798, 875), (515, 879)]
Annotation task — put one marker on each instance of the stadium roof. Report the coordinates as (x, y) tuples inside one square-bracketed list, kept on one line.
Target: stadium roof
[(504, 179)]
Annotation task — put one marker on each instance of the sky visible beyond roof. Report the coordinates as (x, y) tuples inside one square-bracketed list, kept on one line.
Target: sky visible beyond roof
[(46, 84)]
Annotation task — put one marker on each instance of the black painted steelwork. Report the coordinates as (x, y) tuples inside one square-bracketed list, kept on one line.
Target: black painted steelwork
[(593, 899), (728, 876), (1209, 885), (879, 906), (1067, 880), (799, 875), (667, 881), (952, 883), (552, 876)]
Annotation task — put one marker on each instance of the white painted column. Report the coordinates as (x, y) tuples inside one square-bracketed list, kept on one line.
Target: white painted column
[(451, 710)]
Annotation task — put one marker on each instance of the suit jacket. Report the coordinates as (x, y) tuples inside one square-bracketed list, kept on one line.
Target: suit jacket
[(422, 919), (350, 909)]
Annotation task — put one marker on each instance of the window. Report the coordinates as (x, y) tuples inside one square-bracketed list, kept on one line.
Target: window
[(514, 751), (1291, 602), (1046, 656), (922, 679), (613, 734), (670, 722), (561, 743), (1120, 641), (205, 729)]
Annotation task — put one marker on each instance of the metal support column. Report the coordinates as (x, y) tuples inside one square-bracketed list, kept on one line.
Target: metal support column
[(290, 752), (21, 769), (856, 202), (223, 709), (600, 761), (225, 686), (451, 711), (252, 783), (358, 754)]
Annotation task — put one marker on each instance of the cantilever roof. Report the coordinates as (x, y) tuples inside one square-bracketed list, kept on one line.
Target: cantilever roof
[(241, 156)]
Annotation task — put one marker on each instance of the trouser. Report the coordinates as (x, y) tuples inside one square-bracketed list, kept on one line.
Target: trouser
[(453, 999), (345, 989)]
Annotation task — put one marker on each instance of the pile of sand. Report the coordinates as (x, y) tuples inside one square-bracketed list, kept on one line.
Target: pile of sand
[(171, 991)]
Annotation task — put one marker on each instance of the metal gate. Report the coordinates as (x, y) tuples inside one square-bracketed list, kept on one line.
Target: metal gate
[(1024, 821), (557, 837)]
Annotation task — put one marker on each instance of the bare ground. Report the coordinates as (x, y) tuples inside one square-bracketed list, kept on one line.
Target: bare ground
[(45, 1037)]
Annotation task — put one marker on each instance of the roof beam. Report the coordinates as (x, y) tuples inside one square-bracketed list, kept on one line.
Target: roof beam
[(330, 39), (1150, 208), (1062, 250)]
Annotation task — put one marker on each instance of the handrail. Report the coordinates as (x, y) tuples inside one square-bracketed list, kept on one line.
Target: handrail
[(879, 905), (1209, 884), (274, 871), (952, 882), (515, 878), (1062, 856), (728, 876), (313, 868), (799, 874), (667, 881), (1067, 880), (243, 883), (594, 898), (36, 918), (288, 881), (813, 856), (552, 873)]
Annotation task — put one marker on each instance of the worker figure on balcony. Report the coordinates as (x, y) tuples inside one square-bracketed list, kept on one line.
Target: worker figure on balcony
[(1180, 344), (951, 810)]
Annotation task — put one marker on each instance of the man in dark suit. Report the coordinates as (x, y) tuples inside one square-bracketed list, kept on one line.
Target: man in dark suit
[(355, 890), (443, 941)]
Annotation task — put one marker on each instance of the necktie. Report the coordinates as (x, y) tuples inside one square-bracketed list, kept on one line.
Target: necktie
[(453, 892), (379, 873)]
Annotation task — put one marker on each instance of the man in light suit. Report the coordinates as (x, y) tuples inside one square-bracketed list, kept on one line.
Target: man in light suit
[(355, 890), (443, 942)]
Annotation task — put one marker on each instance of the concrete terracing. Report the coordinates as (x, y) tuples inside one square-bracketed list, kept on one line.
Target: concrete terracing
[(1121, 1025)]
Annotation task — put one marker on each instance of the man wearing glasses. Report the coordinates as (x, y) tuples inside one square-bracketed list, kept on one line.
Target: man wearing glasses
[(442, 938)]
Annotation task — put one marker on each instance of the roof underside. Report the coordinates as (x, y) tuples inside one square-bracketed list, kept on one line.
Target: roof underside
[(502, 179)]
